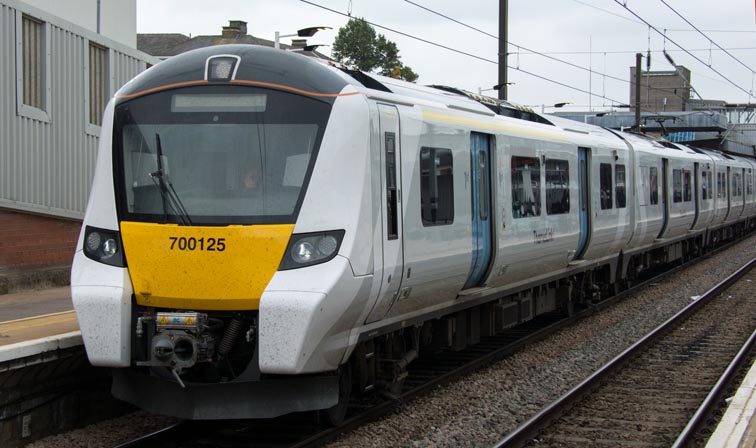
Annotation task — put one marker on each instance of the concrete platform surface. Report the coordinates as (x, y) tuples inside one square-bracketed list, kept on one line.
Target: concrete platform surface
[(35, 315), (738, 426), (34, 302), (37, 327)]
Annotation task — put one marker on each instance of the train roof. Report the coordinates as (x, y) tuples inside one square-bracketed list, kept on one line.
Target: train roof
[(324, 78)]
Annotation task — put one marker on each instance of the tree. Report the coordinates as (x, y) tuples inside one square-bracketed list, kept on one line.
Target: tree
[(358, 44)]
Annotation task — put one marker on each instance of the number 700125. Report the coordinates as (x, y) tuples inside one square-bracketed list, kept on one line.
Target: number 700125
[(191, 243)]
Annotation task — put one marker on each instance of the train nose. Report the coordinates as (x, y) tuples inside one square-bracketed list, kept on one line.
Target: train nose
[(206, 268)]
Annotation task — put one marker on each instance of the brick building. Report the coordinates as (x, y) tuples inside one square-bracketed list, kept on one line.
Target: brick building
[(662, 91)]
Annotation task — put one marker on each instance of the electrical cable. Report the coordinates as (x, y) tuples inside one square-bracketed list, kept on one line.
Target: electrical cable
[(608, 12), (516, 45), (669, 29), (463, 52), (624, 5), (633, 51), (707, 37), (591, 71)]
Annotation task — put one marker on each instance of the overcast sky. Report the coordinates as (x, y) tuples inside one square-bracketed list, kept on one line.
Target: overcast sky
[(600, 34)]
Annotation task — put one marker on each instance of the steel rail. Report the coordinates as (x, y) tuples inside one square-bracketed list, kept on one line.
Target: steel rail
[(711, 400), (491, 356), (531, 428), (156, 437), (384, 407)]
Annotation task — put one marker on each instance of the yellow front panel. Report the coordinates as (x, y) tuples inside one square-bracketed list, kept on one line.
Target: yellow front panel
[(202, 268)]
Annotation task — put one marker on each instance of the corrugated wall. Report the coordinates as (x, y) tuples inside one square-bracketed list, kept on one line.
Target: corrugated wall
[(48, 167)]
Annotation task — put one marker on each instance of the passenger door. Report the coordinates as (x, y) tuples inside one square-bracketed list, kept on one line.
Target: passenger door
[(480, 164), (665, 197), (391, 212), (696, 196), (584, 186)]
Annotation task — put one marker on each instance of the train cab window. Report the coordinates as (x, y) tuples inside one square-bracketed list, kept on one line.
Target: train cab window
[(705, 187), (687, 186), (227, 154), (557, 187), (605, 180), (749, 183), (526, 187), (619, 185), (677, 186), (436, 186), (653, 181)]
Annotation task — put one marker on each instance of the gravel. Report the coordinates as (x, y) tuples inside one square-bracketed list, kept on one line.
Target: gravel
[(480, 409), (107, 433)]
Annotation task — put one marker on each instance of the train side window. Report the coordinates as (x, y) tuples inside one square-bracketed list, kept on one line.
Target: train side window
[(721, 185), (526, 187), (749, 183), (391, 193), (605, 187), (436, 186), (557, 187), (687, 186), (711, 185), (705, 178), (653, 180), (737, 190), (483, 185), (676, 185), (619, 185)]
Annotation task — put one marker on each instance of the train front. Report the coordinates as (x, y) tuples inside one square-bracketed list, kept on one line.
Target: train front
[(192, 213)]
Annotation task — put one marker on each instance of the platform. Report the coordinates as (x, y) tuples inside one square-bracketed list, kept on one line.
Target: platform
[(37, 324), (34, 323), (738, 426)]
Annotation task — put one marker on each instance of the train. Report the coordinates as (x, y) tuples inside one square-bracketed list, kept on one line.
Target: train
[(270, 233)]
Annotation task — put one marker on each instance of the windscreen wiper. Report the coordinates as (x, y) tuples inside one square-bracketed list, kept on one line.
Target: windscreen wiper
[(167, 192)]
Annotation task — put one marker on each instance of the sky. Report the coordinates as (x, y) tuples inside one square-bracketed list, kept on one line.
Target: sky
[(600, 35)]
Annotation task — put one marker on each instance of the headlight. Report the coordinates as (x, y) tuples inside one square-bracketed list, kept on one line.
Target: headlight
[(104, 246), (307, 249)]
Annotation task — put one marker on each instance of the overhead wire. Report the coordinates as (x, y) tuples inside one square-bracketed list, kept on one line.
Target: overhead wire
[(707, 37), (624, 5), (608, 12), (514, 44), (668, 29), (464, 53), (635, 51), (590, 70)]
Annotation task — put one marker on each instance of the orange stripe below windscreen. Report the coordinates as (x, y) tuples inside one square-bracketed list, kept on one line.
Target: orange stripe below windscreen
[(235, 81)]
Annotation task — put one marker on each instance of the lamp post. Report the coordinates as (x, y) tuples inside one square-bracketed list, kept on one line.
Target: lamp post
[(497, 87), (304, 32), (556, 106)]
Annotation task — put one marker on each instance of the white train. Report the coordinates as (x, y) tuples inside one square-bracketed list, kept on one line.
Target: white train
[(267, 233)]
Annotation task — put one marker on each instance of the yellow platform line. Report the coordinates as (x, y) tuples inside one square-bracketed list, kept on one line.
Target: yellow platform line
[(37, 321)]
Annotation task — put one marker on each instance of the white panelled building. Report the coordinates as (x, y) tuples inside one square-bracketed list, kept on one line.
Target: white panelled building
[(60, 62)]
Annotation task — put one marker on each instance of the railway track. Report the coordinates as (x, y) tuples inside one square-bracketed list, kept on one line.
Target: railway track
[(425, 374), (659, 391)]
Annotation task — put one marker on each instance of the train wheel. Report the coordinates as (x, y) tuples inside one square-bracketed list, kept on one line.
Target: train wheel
[(335, 416)]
